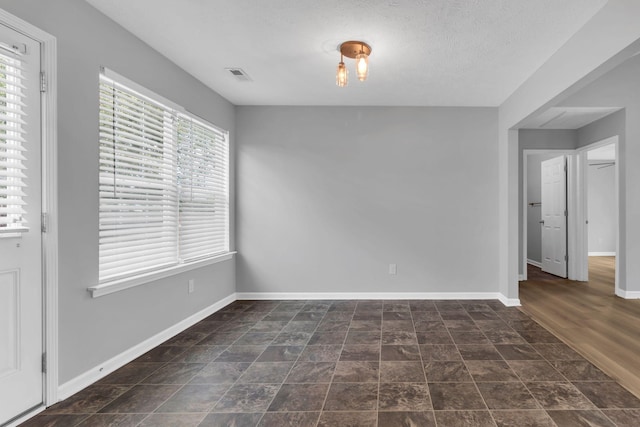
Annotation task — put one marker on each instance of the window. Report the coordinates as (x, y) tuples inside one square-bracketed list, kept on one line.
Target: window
[(164, 198), (12, 151)]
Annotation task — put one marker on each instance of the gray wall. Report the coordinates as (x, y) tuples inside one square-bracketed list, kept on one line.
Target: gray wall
[(612, 125), (94, 330), (537, 139), (328, 197), (601, 209), (534, 213)]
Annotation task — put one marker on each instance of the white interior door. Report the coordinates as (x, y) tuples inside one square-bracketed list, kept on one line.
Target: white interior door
[(21, 303), (554, 216)]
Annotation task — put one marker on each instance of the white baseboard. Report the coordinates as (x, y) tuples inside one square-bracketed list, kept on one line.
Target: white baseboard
[(365, 295), (509, 302), (534, 263), (92, 375), (627, 294), (602, 254)]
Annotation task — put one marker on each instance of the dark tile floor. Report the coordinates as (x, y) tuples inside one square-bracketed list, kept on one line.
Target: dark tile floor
[(355, 363)]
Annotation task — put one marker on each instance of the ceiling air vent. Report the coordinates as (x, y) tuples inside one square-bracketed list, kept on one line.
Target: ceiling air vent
[(239, 74)]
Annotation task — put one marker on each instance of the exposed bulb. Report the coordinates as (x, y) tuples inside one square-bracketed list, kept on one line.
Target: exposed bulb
[(362, 66), (342, 75)]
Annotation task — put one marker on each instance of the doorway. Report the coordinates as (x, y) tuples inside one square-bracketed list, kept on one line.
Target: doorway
[(581, 164), (599, 208), (532, 211)]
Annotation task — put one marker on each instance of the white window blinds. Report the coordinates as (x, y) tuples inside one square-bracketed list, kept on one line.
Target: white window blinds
[(202, 182), (163, 185), (12, 151)]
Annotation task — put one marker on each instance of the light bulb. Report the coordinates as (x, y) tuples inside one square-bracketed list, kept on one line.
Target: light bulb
[(362, 66), (342, 75)]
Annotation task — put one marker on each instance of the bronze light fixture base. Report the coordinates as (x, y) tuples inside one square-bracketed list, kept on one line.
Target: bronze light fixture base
[(352, 48)]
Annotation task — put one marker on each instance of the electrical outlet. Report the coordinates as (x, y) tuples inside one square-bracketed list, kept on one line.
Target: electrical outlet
[(393, 269), (192, 286)]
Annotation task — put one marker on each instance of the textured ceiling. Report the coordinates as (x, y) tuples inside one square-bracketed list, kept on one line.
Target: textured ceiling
[(425, 52)]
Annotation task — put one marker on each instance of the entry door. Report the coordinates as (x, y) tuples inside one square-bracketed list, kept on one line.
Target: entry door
[(21, 302), (554, 216)]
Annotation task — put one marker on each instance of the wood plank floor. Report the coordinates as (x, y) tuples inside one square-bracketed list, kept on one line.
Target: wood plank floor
[(588, 316)]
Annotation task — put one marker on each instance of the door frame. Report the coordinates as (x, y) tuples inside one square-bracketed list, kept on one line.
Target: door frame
[(582, 211), (572, 208), (49, 162)]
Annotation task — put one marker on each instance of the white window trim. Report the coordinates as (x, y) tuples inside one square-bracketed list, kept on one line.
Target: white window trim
[(131, 282), (124, 283)]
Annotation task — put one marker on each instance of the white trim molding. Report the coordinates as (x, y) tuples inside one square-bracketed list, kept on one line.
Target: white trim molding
[(534, 263), (509, 302), (96, 373), (627, 294), (49, 117), (602, 254), (50, 204), (376, 296), (130, 282)]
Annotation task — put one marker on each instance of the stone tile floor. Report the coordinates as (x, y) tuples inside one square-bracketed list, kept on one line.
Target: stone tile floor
[(355, 363)]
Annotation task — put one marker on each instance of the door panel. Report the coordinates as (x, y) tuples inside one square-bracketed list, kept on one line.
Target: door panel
[(554, 216), (9, 301), (21, 304)]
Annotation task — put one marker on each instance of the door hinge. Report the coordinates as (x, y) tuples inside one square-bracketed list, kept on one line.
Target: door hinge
[(44, 363), (43, 82), (565, 213), (566, 257), (44, 222)]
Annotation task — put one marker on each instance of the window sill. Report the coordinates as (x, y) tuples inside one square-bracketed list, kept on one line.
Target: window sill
[(130, 282)]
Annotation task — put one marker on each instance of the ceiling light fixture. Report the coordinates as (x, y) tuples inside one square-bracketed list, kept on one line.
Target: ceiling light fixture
[(359, 51)]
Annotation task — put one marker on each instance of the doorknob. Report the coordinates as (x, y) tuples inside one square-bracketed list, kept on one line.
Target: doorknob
[(541, 222)]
